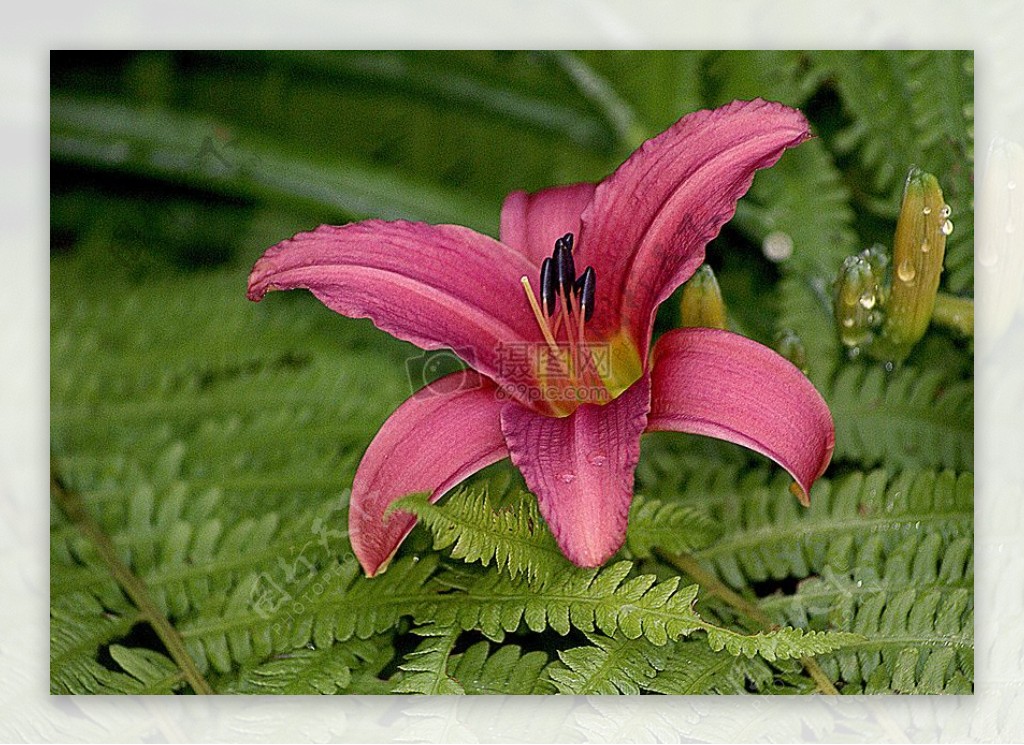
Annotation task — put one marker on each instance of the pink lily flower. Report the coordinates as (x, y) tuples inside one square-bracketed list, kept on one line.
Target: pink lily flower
[(563, 379)]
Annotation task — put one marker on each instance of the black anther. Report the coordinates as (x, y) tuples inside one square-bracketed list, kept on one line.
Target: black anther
[(565, 269), (585, 287), (548, 286)]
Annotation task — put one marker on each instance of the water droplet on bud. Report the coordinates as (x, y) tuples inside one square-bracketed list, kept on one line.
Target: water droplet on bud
[(906, 271), (567, 478), (925, 247), (947, 227), (867, 300), (927, 210), (597, 459), (945, 211)]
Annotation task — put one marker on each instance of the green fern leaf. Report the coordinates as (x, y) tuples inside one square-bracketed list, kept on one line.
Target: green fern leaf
[(695, 668), (669, 526), (608, 666), (907, 419), (910, 603), (514, 537), (316, 671), (765, 535), (155, 673), (507, 671), (426, 668), (802, 196), (785, 643)]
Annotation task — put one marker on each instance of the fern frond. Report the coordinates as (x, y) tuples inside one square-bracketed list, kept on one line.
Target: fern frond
[(608, 666), (307, 671), (803, 196), (776, 75), (79, 626), (576, 598), (885, 136), (781, 644), (507, 671), (262, 617), (426, 668), (515, 537), (766, 536), (905, 419), (695, 668), (912, 602), (154, 672), (666, 525)]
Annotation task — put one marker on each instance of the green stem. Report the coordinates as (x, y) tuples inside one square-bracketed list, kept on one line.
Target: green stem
[(72, 505), (709, 582), (954, 313)]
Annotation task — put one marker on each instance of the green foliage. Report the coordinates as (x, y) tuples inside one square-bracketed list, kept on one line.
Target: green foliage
[(426, 667), (908, 418), (514, 537), (507, 671), (351, 667), (213, 441)]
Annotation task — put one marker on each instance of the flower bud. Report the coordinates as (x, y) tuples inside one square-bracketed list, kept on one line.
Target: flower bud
[(918, 250), (702, 304), (790, 346), (858, 290)]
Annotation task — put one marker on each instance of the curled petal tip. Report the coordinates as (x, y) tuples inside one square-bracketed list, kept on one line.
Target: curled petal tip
[(718, 384), (800, 493)]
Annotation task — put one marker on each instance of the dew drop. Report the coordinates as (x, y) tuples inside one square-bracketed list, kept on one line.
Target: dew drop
[(597, 459), (867, 300), (777, 246), (925, 247), (906, 271), (567, 477), (848, 322), (854, 352), (945, 211), (927, 210), (889, 366), (947, 227)]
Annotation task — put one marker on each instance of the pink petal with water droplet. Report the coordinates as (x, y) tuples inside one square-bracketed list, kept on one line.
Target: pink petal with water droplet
[(581, 468)]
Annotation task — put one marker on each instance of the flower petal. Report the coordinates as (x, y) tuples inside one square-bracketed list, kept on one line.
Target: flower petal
[(581, 469), (446, 432), (647, 226), (532, 223), (437, 286), (716, 383)]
